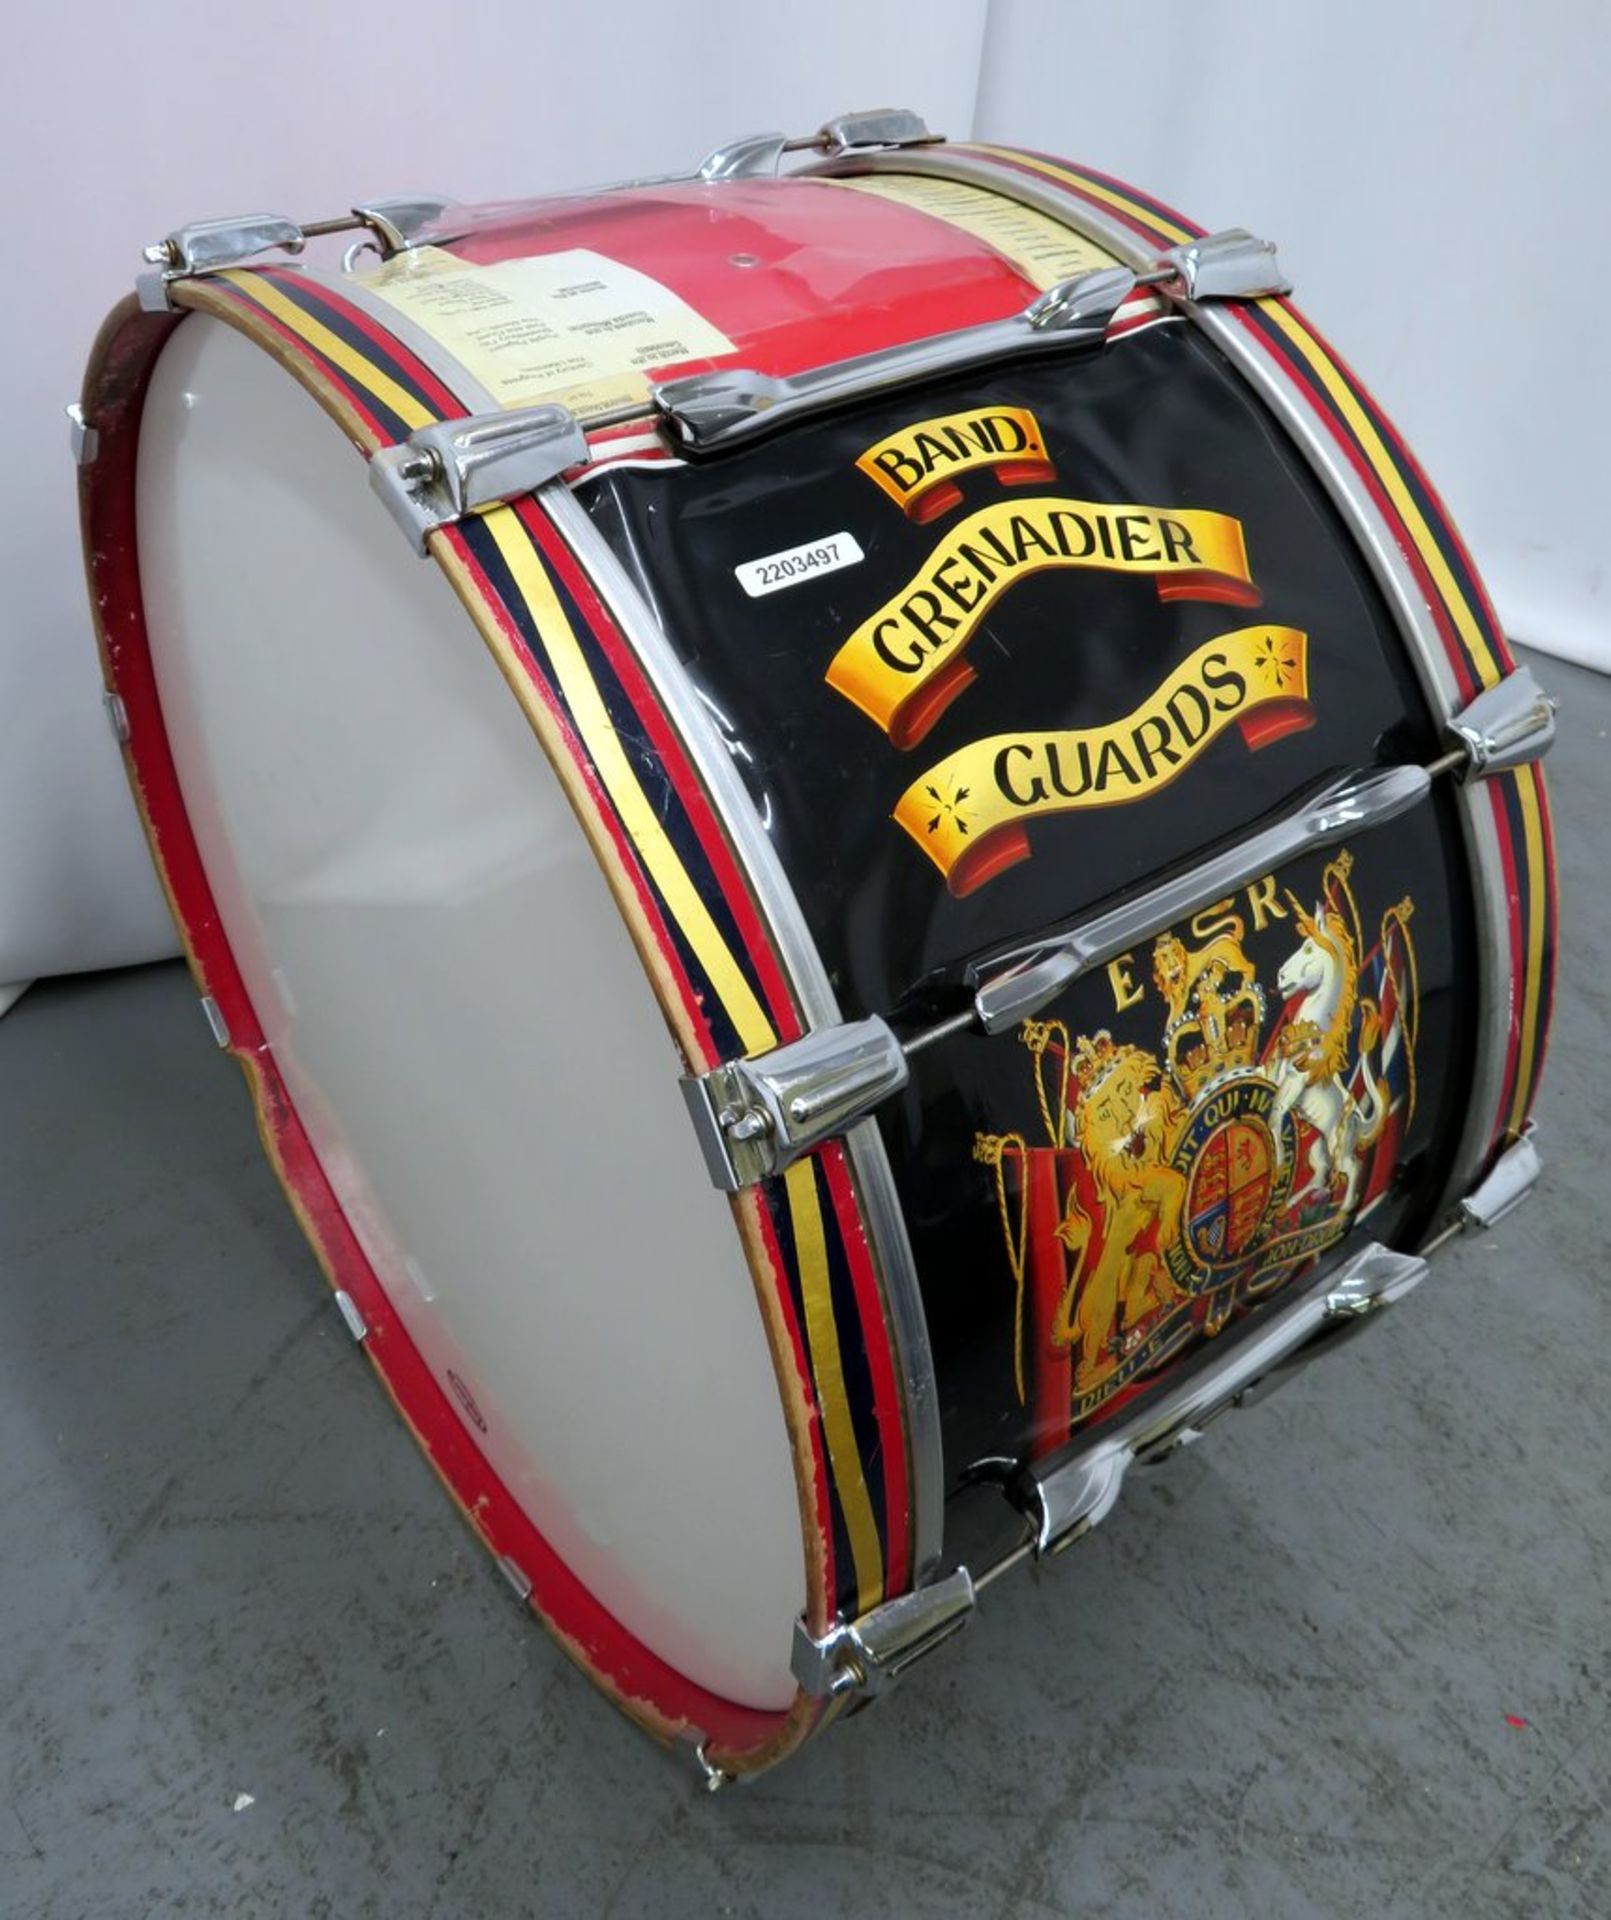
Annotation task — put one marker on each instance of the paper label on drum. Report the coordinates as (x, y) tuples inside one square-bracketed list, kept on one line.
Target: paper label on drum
[(574, 327), (776, 571), (1042, 249)]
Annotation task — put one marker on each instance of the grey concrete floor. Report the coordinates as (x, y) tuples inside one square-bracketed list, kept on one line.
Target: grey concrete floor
[(1348, 1658)]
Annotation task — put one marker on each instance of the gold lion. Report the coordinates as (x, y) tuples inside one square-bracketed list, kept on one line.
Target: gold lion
[(1125, 1124)]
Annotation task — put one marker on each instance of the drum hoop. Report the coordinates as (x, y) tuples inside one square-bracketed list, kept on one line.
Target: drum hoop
[(870, 1189), (737, 1738), (1452, 635)]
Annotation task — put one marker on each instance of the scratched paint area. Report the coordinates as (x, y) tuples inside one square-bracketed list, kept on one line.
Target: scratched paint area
[(1280, 1680)]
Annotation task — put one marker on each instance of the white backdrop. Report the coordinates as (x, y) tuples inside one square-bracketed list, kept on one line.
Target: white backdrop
[(121, 122), (1435, 174), (1428, 171)]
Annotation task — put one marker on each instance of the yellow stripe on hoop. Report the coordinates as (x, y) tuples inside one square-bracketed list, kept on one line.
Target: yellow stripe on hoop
[(811, 1255), (1122, 202), (592, 721), (339, 352)]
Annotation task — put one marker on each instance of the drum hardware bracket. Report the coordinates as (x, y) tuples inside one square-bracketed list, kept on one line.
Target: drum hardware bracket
[(83, 439), (208, 246), (516, 1575), (1061, 1504), (442, 473), (1508, 725), (869, 1655), (756, 1116), (347, 1307), (1507, 1183), (706, 412), (1230, 265), (758, 156), (117, 717), (214, 1016), (711, 1777)]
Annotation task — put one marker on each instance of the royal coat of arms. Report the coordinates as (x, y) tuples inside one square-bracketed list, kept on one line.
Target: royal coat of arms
[(1176, 1185)]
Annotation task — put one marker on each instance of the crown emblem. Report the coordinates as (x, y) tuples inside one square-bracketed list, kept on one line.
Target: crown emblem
[(1093, 1060), (1216, 1014)]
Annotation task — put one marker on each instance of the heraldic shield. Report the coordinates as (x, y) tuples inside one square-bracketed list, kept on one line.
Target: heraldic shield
[(1168, 1187)]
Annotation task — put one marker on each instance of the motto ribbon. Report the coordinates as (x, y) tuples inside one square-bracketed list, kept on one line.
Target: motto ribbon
[(969, 813), (903, 665)]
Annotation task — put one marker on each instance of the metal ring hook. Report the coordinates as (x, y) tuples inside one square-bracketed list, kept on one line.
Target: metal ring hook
[(357, 249)]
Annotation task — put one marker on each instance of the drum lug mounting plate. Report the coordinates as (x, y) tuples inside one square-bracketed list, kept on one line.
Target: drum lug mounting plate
[(1507, 725), (754, 1117), (441, 473), (869, 1655)]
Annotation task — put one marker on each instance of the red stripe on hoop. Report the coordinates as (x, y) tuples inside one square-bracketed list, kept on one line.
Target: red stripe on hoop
[(603, 807), (328, 371), (678, 768), (402, 358), (802, 1369), (887, 1406)]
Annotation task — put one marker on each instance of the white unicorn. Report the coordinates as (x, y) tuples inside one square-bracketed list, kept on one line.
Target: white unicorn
[(1320, 983)]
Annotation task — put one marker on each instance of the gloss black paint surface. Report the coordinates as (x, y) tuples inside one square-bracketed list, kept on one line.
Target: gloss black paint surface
[(1159, 419)]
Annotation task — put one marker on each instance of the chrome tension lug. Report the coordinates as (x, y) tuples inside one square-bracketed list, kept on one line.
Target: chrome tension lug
[(703, 409), (712, 1778), (706, 412), (83, 439), (1509, 725), (442, 473), (1084, 304), (871, 128), (867, 1656), (1509, 1182), (1012, 986), (1231, 265), (758, 156), (213, 1014), (1064, 1500), (1375, 1278), (754, 156), (117, 716), (347, 1307), (756, 1117), (207, 245), (400, 223)]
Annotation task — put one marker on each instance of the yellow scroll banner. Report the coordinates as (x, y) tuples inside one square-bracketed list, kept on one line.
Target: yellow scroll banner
[(903, 665), (970, 813), (919, 466)]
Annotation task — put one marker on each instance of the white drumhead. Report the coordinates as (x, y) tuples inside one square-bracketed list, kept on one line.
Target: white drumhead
[(460, 1018)]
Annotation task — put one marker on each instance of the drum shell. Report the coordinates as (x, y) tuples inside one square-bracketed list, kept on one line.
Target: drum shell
[(1504, 924), (1068, 656)]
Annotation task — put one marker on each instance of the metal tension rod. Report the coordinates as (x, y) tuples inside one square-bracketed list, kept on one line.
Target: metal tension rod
[(709, 412), (207, 246), (756, 1116), (1062, 1501)]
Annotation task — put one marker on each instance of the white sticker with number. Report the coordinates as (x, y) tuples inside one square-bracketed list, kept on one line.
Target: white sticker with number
[(788, 569)]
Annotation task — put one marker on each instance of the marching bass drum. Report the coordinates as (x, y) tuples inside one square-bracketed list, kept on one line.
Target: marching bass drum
[(892, 855)]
